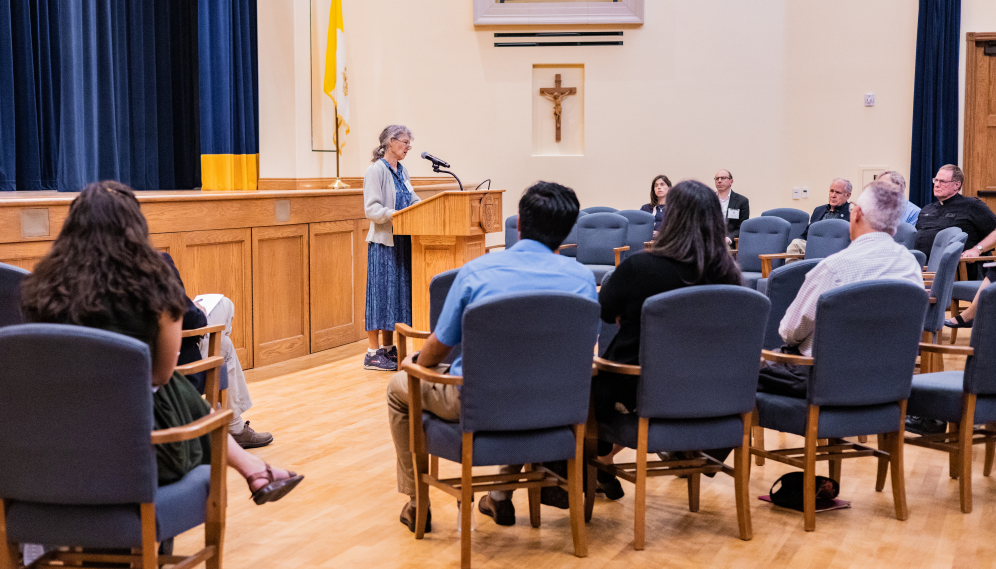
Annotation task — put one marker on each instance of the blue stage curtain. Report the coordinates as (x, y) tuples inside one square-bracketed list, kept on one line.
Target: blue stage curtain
[(935, 95), (90, 81), (8, 158), (229, 87)]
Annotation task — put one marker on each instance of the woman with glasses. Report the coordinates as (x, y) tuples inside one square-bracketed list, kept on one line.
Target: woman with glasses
[(658, 193), (387, 188)]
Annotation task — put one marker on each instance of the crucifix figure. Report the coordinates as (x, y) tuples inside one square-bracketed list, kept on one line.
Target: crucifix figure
[(557, 94)]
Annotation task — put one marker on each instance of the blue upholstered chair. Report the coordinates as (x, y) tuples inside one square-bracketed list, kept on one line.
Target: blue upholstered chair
[(798, 218), (864, 352), (439, 287), (921, 259), (826, 237), (690, 397), (10, 294), (601, 242), (760, 236), (944, 238), (608, 330), (519, 405), (781, 288), (905, 235), (98, 488), (569, 246), (965, 288), (639, 232), (511, 234), (599, 209), (940, 296), (964, 398)]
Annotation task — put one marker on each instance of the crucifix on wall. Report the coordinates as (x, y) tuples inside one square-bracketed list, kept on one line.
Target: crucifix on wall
[(557, 94)]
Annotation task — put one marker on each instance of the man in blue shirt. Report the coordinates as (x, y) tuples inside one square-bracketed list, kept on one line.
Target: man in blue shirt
[(547, 212)]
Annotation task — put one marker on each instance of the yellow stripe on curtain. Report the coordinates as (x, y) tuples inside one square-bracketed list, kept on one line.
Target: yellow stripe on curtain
[(232, 172)]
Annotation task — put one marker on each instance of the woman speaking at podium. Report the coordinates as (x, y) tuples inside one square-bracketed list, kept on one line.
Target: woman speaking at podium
[(387, 188)]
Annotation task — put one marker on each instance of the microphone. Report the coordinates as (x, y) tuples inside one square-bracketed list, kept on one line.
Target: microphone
[(436, 162)]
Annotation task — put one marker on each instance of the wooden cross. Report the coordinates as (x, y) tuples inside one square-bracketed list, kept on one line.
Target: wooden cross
[(557, 94)]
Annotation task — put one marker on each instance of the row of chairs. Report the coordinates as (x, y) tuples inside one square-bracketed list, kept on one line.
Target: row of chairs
[(533, 408)]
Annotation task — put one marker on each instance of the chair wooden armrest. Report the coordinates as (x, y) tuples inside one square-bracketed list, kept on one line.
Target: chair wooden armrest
[(565, 246), (201, 365), (203, 331), (426, 374), (618, 251), (647, 245), (962, 274), (405, 331), (944, 349), (603, 364), (490, 247), (786, 358), (767, 257), (191, 431), (928, 274)]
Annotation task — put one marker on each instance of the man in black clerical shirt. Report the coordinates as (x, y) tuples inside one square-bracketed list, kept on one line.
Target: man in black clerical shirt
[(952, 209)]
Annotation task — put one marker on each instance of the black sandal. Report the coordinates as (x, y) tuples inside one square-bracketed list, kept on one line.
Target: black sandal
[(276, 489), (958, 322)]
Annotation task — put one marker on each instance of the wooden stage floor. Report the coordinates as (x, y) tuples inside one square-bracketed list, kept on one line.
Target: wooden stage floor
[(329, 418)]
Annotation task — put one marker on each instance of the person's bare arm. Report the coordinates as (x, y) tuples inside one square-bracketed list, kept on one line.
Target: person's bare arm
[(167, 349), (433, 352)]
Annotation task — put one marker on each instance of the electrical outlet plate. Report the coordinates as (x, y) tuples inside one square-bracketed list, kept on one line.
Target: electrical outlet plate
[(869, 99), (796, 193), (805, 192)]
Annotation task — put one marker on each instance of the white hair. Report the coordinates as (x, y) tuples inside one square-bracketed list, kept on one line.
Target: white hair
[(896, 178), (845, 181), (883, 205), (392, 131)]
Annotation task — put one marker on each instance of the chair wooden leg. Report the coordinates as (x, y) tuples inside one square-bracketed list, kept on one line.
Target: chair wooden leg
[(953, 457), (575, 479), (694, 484), (965, 433), (835, 465), (150, 549), (640, 504), (883, 463), (990, 451), (862, 439), (8, 550), (534, 502), (758, 438), (421, 494), (214, 526), (434, 466), (955, 311), (896, 450), (466, 498), (741, 481), (591, 471), (809, 470)]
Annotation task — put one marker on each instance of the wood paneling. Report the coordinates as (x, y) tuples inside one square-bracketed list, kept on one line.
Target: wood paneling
[(220, 262), (24, 255), (333, 251), (980, 118), (446, 214), (169, 243), (281, 313)]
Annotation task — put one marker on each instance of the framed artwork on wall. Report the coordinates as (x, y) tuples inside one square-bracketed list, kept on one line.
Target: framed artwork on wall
[(549, 12)]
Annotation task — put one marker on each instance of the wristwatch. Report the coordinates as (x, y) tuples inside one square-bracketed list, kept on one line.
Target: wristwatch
[(979, 247)]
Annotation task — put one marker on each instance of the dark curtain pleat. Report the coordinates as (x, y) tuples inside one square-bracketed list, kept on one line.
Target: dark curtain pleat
[(178, 100), (935, 95), (8, 139)]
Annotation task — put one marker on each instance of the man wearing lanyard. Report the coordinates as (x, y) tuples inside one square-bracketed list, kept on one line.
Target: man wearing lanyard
[(736, 208)]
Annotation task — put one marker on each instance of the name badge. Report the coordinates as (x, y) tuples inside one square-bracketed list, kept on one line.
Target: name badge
[(409, 186), (732, 213)]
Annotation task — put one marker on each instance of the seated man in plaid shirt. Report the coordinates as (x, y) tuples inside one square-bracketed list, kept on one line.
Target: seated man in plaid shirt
[(872, 254)]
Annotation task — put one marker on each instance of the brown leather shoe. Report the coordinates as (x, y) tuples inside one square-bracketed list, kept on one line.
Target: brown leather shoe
[(249, 438), (502, 511), (408, 518)]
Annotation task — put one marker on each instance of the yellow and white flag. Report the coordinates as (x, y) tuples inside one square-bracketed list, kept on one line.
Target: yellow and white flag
[(336, 81)]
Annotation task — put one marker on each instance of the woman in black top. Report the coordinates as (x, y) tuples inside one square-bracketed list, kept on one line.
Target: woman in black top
[(689, 250), (658, 194), (102, 272)]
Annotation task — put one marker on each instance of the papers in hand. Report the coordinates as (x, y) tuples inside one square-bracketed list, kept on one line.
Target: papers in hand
[(209, 301)]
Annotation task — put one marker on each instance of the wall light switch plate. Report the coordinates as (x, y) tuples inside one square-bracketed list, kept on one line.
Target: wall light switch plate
[(805, 193), (796, 193), (869, 99)]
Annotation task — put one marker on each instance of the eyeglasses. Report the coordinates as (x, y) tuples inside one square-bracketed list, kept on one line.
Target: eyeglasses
[(719, 178), (939, 181), (407, 143)]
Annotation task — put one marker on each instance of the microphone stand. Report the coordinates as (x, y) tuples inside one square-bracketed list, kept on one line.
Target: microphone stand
[(435, 168)]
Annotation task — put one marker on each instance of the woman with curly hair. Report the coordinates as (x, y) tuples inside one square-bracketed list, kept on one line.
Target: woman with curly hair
[(102, 272)]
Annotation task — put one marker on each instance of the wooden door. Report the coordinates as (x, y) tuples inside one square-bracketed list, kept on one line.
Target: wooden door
[(334, 302), (281, 315), (220, 262), (980, 118)]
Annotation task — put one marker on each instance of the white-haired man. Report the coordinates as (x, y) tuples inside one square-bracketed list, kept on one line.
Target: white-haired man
[(912, 212), (837, 207), (872, 254)]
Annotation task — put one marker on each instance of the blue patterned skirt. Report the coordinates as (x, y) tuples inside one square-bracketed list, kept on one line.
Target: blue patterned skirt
[(389, 284)]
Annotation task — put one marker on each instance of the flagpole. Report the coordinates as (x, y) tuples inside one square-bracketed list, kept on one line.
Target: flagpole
[(338, 184)]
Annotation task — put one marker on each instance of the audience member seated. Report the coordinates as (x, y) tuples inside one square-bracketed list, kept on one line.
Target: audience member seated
[(658, 195), (689, 250), (195, 348), (547, 211), (953, 210), (736, 208), (837, 208), (872, 254), (912, 211), (102, 272), (964, 320)]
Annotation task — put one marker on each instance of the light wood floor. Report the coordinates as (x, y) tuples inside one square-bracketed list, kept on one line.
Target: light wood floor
[(329, 418)]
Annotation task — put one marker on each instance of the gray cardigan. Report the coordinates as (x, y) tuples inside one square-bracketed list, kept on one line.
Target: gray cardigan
[(378, 201)]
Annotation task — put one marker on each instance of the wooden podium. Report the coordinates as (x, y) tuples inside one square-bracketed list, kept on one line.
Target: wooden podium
[(447, 230)]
